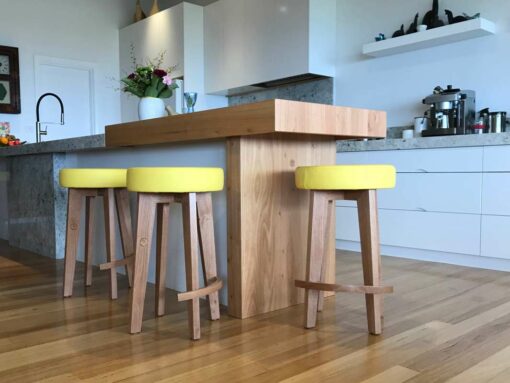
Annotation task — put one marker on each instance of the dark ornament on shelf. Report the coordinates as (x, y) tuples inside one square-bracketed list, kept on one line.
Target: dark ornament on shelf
[(400, 32), (413, 28), (475, 16), (456, 19), (380, 37), (431, 18)]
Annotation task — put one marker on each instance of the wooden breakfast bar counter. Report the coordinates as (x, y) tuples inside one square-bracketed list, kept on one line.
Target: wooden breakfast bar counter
[(267, 216)]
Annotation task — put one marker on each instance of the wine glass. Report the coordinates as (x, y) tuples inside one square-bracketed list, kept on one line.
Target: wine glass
[(190, 99)]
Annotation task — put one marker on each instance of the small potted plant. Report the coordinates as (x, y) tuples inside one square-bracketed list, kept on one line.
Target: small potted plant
[(151, 84)]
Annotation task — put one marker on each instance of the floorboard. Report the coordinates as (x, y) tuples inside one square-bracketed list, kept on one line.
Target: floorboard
[(444, 323)]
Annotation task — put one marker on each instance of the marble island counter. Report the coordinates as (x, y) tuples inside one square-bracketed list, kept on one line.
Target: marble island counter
[(74, 144), (469, 140), (97, 142), (260, 218)]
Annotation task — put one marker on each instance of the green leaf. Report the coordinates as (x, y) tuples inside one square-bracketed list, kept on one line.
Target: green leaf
[(166, 93), (151, 92)]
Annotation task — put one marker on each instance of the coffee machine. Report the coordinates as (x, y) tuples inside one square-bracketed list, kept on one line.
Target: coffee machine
[(451, 111)]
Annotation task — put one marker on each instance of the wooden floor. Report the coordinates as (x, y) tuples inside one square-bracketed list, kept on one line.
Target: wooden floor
[(443, 324)]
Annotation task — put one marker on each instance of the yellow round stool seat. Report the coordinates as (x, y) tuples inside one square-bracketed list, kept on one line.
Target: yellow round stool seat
[(175, 180), (346, 177), (93, 178)]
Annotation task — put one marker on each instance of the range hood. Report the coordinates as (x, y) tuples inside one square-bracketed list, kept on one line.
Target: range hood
[(252, 45)]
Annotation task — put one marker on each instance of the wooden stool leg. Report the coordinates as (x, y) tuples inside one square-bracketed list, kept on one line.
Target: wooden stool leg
[(317, 232), (109, 224), (161, 256), (126, 229), (369, 234), (325, 258), (207, 249), (144, 228), (74, 201), (89, 238), (189, 215)]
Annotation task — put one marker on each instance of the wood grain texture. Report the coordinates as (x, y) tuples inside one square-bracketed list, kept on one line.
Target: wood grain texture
[(344, 288), (444, 322), (89, 239), (208, 251), (371, 257), (74, 202), (111, 246), (144, 231), (318, 227), (190, 231), (268, 220), (272, 116), (126, 229), (163, 221)]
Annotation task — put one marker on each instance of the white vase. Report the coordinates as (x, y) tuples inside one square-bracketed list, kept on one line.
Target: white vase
[(151, 107)]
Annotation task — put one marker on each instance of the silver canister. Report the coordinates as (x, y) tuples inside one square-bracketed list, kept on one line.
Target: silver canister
[(497, 122)]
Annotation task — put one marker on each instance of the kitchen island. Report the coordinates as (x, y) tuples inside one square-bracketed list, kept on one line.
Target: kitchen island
[(261, 219)]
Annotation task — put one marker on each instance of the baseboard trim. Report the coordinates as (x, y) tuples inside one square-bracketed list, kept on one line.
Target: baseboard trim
[(478, 262)]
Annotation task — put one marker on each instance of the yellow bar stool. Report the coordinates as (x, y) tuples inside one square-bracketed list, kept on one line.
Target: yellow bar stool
[(157, 188), (344, 182), (87, 184)]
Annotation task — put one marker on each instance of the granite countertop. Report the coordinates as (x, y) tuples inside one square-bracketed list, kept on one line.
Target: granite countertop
[(491, 139), (98, 142), (57, 146)]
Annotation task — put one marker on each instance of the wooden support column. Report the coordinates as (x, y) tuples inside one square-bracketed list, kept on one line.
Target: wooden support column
[(268, 220)]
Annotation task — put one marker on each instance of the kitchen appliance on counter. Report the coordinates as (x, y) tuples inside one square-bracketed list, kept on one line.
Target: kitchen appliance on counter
[(494, 122), (451, 111)]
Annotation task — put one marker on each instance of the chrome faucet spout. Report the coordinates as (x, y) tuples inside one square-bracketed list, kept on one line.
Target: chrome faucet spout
[(38, 131)]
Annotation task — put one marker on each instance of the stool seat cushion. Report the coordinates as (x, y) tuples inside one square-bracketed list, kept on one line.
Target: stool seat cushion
[(93, 178), (175, 180), (345, 177)]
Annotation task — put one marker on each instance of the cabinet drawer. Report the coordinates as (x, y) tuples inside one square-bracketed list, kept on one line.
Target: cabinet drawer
[(454, 233), (496, 158), (496, 194), (437, 192), (495, 237), (420, 160)]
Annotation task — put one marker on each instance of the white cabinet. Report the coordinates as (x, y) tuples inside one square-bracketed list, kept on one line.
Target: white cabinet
[(495, 236), (496, 158), (451, 160), (250, 42), (496, 194), (445, 232), (179, 33), (450, 200), (432, 192)]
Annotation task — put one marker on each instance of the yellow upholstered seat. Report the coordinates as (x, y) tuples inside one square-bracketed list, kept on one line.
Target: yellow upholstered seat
[(345, 177), (93, 178), (175, 180)]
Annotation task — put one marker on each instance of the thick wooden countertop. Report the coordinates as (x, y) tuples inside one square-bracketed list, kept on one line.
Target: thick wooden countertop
[(273, 116)]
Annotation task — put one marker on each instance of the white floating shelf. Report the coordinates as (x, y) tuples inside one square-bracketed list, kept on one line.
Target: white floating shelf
[(438, 36)]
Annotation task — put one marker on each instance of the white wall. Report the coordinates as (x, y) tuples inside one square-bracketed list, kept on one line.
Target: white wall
[(398, 83), (178, 32), (83, 31)]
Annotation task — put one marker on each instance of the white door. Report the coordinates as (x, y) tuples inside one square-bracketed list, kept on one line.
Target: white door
[(73, 82)]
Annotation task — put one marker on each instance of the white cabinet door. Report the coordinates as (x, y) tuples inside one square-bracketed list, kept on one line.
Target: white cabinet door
[(496, 194), (496, 236), (496, 158), (435, 192), (454, 233), (453, 160)]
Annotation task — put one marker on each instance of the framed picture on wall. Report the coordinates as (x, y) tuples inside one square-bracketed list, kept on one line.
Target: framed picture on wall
[(9, 80)]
